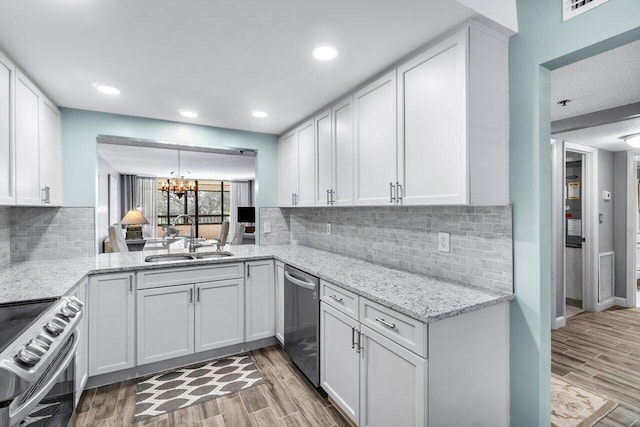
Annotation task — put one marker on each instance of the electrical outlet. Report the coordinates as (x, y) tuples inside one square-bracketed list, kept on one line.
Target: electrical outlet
[(444, 240), (328, 228), (267, 227)]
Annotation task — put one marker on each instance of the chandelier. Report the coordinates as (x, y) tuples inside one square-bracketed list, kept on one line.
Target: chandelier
[(177, 184)]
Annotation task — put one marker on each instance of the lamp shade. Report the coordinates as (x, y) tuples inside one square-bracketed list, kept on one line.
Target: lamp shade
[(134, 217)]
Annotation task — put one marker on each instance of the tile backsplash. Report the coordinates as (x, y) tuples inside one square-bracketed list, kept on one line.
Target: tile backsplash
[(5, 245), (406, 238), (38, 233)]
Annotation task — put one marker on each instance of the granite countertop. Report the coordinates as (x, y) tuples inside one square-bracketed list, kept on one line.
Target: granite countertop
[(420, 297)]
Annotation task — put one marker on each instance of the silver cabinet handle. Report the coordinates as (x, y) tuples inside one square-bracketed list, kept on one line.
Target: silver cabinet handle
[(353, 337), (385, 323), (296, 199), (191, 296), (198, 294), (335, 298), (328, 201), (360, 347), (46, 198), (293, 199), (331, 194), (248, 270), (391, 195), (399, 197), (130, 284)]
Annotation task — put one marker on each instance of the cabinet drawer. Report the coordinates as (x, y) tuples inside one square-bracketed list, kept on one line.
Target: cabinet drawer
[(179, 276), (340, 299), (408, 332)]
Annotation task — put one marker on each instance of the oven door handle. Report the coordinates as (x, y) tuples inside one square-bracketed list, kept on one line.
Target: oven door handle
[(17, 414), (298, 282)]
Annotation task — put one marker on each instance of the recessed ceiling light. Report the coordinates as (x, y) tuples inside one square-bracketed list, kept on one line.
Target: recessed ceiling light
[(325, 52), (633, 140), (189, 114), (109, 90), (259, 114)]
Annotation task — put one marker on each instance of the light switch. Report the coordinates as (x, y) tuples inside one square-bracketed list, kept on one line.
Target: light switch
[(267, 227)]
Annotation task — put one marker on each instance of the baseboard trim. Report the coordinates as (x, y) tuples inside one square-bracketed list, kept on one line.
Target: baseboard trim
[(559, 322), (601, 306), (164, 365), (621, 302)]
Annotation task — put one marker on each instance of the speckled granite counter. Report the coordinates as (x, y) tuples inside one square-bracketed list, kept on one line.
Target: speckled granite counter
[(421, 297)]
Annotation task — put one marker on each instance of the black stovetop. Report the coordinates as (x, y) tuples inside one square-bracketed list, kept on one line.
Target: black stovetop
[(15, 317)]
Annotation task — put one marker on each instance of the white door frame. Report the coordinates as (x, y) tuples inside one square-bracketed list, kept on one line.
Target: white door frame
[(632, 220), (589, 227)]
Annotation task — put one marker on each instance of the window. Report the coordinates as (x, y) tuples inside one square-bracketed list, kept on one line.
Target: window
[(209, 204)]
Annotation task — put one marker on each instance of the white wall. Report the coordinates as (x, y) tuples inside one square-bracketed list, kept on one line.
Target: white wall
[(605, 183), (620, 221), (104, 170)]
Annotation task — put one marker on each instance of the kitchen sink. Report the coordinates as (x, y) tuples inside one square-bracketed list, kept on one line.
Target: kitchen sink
[(186, 256)]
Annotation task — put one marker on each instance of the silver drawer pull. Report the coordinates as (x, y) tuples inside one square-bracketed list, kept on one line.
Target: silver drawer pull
[(335, 298), (385, 323)]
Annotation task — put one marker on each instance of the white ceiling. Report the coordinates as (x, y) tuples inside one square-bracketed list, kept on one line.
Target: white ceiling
[(600, 82), (610, 79), (159, 162), (221, 58)]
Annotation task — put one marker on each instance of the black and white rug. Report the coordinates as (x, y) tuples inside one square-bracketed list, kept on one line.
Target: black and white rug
[(194, 384)]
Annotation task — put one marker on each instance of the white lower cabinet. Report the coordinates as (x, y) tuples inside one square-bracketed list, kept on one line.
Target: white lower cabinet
[(219, 314), (392, 383), (259, 300), (165, 323), (82, 353), (280, 302), (111, 323), (339, 360)]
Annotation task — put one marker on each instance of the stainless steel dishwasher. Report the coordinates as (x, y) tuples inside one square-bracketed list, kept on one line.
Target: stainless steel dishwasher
[(302, 321)]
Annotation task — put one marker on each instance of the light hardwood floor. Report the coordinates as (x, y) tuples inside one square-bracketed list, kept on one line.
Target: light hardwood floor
[(600, 352), (287, 399)]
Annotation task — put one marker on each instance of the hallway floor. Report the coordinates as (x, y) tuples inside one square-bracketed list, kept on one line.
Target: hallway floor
[(600, 352)]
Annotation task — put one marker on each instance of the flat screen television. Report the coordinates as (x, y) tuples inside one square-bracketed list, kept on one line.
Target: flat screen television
[(246, 214)]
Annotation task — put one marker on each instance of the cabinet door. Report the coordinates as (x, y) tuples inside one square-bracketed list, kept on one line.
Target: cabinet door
[(111, 323), (50, 153), (339, 360), (306, 165), (260, 300), (288, 169), (324, 156), (219, 320), (165, 323), (27, 160), (280, 302), (375, 135), (392, 383), (82, 353), (432, 125), (343, 153), (7, 146)]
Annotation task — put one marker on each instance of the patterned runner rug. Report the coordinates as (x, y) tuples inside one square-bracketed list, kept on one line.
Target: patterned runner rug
[(194, 384), (572, 406)]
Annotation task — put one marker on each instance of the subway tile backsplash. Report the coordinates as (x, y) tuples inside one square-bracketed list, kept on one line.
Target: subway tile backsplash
[(38, 233), (406, 238)]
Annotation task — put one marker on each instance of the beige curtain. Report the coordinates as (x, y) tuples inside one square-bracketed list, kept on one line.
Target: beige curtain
[(146, 190)]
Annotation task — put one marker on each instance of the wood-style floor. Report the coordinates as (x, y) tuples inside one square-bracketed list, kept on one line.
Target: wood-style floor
[(287, 399), (600, 352)]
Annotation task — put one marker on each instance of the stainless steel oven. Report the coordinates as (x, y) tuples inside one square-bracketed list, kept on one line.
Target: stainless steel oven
[(302, 321), (37, 376)]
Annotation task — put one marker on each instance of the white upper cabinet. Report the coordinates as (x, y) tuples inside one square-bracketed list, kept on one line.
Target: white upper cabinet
[(341, 114), (288, 153), (433, 131), (50, 151), (432, 134), (7, 147), (375, 141), (306, 165), (33, 153), (27, 161), (324, 157)]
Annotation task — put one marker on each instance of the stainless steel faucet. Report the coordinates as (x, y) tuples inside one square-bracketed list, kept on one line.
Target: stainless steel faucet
[(192, 241)]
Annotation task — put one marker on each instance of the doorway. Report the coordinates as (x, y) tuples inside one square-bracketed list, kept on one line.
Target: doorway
[(574, 255)]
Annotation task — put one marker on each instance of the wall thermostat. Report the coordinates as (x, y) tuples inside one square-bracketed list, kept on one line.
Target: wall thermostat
[(606, 195)]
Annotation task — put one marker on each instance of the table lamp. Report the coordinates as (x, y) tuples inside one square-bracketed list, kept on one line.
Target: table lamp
[(134, 220)]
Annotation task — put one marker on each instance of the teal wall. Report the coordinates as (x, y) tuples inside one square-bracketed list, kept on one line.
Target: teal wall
[(79, 149), (543, 43)]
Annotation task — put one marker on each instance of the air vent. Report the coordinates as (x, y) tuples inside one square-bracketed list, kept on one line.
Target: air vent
[(572, 8), (606, 276)]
